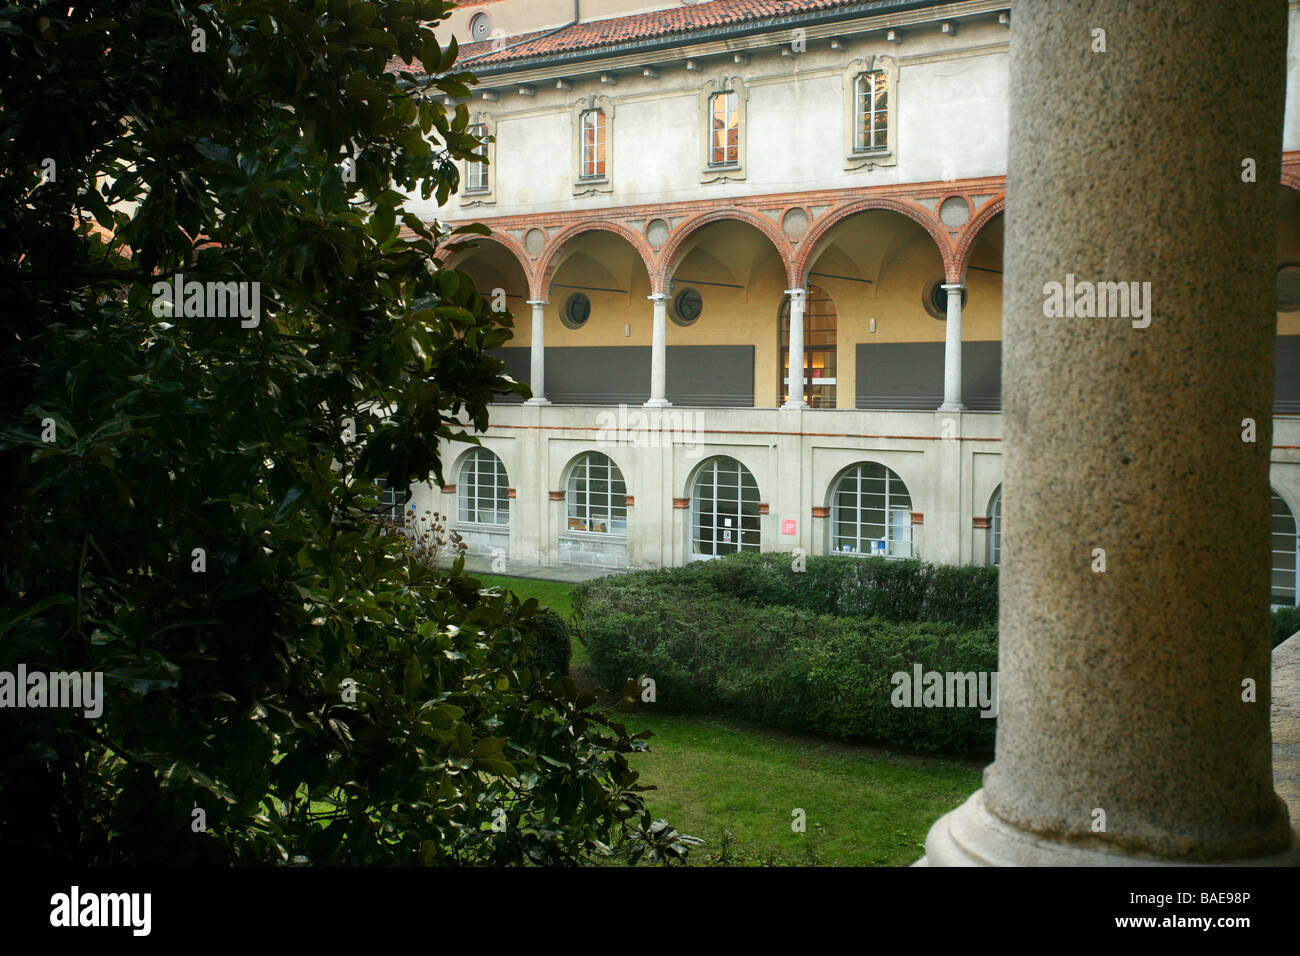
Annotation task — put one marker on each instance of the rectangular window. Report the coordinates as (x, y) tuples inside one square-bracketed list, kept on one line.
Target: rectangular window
[(871, 110), (593, 144), (724, 147), (391, 501), (476, 177)]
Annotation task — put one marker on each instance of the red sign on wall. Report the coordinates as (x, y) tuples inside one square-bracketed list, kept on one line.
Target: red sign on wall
[(789, 526)]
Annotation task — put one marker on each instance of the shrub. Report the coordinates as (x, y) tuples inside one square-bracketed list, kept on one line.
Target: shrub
[(861, 587), (551, 647), (790, 667), (1286, 621)]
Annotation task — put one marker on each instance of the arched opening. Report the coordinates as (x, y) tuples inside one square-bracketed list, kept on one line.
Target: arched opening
[(870, 512), (1285, 579), (717, 338), (724, 510), (500, 279), (820, 338), (877, 265), (981, 321), (597, 320)]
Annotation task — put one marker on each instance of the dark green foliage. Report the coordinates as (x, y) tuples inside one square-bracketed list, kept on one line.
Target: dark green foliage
[(1286, 621), (552, 645), (836, 584), (227, 685), (711, 647)]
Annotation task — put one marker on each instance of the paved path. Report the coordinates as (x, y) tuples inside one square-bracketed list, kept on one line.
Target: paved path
[(1286, 724), (566, 573)]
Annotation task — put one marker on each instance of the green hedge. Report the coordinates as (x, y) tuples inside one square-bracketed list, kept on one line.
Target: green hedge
[(1286, 621), (552, 644), (854, 587), (711, 646)]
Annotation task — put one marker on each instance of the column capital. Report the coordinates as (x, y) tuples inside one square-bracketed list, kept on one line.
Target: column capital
[(536, 301), (953, 286), (658, 296), (796, 292)]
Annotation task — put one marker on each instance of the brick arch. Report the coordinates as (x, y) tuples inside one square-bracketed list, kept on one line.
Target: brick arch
[(667, 255), (970, 235), (917, 213), (1291, 179), (544, 271), (500, 238)]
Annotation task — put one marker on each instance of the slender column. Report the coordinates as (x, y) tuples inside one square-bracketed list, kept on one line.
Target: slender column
[(796, 370), (537, 353), (952, 351), (659, 352), (1133, 720)]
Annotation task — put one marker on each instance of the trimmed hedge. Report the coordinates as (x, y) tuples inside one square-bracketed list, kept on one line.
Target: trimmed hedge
[(853, 587), (745, 637)]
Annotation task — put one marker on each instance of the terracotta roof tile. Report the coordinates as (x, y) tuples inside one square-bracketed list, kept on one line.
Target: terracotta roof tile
[(687, 19)]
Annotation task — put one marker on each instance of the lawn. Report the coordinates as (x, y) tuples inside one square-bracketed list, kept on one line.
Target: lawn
[(737, 786)]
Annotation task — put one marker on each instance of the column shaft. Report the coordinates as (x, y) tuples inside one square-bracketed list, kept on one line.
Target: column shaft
[(659, 352), (796, 370), (952, 351), (1135, 562), (537, 353)]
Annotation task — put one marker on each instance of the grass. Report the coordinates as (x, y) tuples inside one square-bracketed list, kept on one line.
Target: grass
[(736, 786), (553, 594)]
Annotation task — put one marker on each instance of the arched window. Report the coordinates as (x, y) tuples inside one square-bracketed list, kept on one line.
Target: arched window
[(482, 491), (819, 325), (871, 513), (995, 528), (1286, 555), (724, 509), (596, 496)]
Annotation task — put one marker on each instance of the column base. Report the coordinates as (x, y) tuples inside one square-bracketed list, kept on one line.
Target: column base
[(657, 403), (972, 836), (792, 407), (952, 407), (538, 401)]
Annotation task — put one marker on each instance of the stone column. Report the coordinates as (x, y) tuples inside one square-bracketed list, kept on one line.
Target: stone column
[(796, 370), (537, 353), (659, 352), (952, 350), (1135, 561)]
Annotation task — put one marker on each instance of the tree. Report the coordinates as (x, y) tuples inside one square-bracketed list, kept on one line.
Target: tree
[(190, 469)]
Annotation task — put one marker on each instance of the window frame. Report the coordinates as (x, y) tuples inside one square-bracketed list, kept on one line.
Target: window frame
[(855, 473), (993, 552), (485, 194), (578, 498), (592, 185), (728, 171), (748, 538), (470, 487), (855, 158)]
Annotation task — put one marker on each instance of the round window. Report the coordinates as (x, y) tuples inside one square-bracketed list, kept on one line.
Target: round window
[(687, 306), (577, 310), (480, 27), (935, 299), (1288, 287)]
